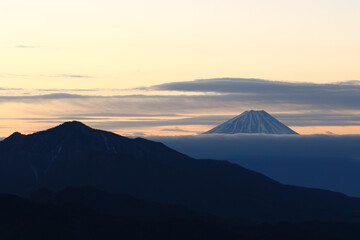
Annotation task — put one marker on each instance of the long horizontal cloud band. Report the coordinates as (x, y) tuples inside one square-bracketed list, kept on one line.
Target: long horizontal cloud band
[(335, 104), (341, 100), (346, 94), (252, 85)]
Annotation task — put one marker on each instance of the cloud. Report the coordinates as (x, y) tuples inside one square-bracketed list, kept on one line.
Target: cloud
[(64, 90), (320, 161), (252, 93), (350, 82), (59, 119), (7, 75), (295, 104), (10, 89), (175, 129), (124, 114), (320, 119), (182, 106), (142, 120), (71, 76), (46, 76), (43, 97), (181, 121), (253, 85), (135, 134), (344, 94), (24, 46)]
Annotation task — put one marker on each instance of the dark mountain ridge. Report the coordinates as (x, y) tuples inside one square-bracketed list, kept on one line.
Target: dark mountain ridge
[(23, 219), (73, 154), (118, 204)]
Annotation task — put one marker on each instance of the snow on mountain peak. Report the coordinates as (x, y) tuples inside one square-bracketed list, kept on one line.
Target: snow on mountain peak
[(252, 122)]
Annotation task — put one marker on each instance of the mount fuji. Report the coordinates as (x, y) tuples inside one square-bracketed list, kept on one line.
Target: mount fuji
[(252, 122)]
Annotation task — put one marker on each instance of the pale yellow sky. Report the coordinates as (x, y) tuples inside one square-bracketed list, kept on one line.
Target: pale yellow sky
[(116, 44), (135, 43)]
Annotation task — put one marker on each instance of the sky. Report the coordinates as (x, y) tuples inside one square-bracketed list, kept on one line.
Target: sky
[(121, 65)]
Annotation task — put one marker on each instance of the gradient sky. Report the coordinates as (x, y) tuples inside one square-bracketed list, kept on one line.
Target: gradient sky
[(110, 47)]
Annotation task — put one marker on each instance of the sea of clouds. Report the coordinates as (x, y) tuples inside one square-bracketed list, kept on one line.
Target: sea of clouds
[(320, 161)]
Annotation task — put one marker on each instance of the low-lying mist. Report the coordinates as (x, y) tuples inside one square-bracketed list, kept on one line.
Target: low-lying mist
[(320, 161)]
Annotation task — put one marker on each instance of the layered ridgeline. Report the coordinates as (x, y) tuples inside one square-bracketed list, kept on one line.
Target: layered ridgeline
[(86, 213), (75, 155), (252, 122)]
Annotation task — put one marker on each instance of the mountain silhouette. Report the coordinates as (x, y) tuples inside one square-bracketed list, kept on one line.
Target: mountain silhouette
[(75, 155), (22, 219), (117, 204), (69, 219), (252, 122)]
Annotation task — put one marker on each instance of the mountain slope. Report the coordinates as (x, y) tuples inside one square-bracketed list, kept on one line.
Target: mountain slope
[(73, 154), (117, 204), (23, 219), (252, 122)]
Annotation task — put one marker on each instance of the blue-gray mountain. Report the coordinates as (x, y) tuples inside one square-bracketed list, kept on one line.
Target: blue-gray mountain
[(74, 155), (252, 122)]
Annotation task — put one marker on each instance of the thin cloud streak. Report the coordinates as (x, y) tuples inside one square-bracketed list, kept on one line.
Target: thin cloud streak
[(24, 46), (43, 97), (176, 129), (10, 89), (71, 76)]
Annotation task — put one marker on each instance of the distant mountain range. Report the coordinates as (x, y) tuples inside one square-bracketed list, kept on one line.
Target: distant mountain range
[(93, 177), (73, 154), (252, 122)]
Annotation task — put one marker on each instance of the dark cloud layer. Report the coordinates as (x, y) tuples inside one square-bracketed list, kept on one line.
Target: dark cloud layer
[(344, 94), (258, 86), (319, 161)]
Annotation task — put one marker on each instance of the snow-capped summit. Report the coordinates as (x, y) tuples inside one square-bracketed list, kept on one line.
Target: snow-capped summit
[(252, 122)]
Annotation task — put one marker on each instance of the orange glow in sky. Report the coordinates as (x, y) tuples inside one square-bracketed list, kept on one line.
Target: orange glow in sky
[(113, 48)]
